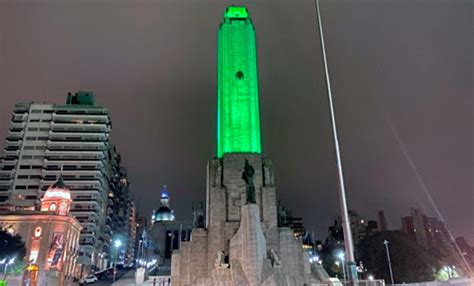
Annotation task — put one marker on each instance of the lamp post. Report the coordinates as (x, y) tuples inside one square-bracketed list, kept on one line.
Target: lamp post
[(6, 266), (341, 256), (385, 242), (117, 244)]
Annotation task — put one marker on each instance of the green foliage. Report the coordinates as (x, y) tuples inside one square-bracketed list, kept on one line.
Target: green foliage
[(410, 263)]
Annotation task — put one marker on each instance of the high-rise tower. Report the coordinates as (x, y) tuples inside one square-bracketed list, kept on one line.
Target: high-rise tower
[(241, 242), (238, 123)]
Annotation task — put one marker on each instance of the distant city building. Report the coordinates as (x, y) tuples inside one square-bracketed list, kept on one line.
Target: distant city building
[(131, 245), (167, 233), (428, 232), (360, 228), (431, 234), (51, 237), (382, 221), (466, 250), (46, 141)]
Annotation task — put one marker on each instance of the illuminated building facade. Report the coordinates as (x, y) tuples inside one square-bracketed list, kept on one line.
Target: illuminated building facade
[(46, 141), (238, 119), (51, 237)]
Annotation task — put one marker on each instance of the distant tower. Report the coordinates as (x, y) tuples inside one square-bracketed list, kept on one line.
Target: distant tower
[(238, 121), (382, 221), (241, 243)]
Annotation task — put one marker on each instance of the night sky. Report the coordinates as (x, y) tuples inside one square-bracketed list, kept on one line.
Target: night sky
[(153, 64)]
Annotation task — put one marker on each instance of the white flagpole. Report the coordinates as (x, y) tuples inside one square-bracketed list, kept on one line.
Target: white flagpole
[(346, 228)]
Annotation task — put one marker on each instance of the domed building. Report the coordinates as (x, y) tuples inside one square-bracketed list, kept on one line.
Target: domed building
[(51, 237), (164, 213), (57, 198), (167, 233)]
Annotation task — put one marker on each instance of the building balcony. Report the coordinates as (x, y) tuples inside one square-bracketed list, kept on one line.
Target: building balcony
[(18, 125), (80, 127), (80, 111), (75, 155), (78, 137), (99, 146)]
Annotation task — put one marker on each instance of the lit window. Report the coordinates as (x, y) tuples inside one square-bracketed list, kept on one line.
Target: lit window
[(38, 231), (52, 207)]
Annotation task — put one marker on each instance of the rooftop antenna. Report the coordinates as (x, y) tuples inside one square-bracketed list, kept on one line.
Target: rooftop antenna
[(346, 228)]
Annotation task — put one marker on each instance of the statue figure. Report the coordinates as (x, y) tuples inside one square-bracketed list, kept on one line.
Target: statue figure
[(198, 216), (274, 257), (282, 216), (247, 176), (268, 173), (220, 261), (218, 176)]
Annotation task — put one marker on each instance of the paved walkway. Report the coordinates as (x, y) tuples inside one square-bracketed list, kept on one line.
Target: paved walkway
[(129, 280)]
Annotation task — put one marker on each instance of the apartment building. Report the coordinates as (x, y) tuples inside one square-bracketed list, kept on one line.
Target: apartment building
[(46, 141)]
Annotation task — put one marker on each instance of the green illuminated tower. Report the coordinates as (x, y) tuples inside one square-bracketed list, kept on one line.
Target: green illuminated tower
[(238, 123)]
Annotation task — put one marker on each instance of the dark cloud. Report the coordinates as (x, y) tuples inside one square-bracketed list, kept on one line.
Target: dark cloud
[(153, 64)]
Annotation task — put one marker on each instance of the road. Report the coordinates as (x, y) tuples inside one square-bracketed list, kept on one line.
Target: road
[(107, 282)]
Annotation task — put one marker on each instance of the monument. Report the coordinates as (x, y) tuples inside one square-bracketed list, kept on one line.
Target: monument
[(241, 243)]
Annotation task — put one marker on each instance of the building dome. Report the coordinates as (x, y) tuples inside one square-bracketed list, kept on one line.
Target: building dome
[(57, 198), (164, 213), (58, 190)]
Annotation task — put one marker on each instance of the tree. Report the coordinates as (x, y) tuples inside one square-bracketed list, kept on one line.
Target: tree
[(410, 262), (11, 246)]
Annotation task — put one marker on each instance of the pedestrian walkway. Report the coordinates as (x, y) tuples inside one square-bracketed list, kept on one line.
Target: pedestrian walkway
[(129, 280)]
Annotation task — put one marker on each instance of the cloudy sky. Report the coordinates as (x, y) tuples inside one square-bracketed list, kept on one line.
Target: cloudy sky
[(405, 64)]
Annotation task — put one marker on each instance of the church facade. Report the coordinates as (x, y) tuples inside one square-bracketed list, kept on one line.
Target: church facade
[(241, 242)]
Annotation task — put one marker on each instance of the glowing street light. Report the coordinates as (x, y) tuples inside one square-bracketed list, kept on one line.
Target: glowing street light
[(341, 256), (117, 244), (11, 261), (371, 277)]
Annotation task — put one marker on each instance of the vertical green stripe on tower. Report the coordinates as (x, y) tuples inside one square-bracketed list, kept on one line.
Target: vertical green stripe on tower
[(238, 119)]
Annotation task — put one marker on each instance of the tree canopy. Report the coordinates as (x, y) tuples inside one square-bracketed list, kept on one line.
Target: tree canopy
[(11, 246), (410, 262)]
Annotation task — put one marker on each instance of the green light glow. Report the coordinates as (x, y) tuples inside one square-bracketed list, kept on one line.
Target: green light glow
[(236, 12), (238, 122)]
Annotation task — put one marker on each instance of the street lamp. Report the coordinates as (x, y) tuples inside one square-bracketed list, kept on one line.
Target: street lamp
[(117, 244), (340, 255), (11, 261), (385, 242)]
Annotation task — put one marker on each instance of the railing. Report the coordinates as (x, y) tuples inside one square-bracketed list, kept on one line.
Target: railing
[(373, 282), (164, 280)]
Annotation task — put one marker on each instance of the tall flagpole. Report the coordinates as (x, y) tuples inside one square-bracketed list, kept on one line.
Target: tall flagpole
[(346, 228)]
